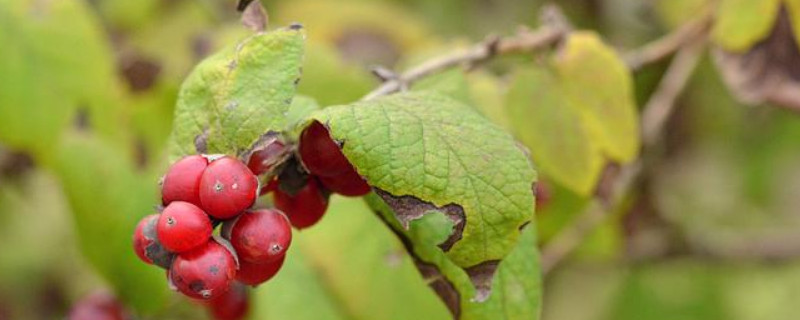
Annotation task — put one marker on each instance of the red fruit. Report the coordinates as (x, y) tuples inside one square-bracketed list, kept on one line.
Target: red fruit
[(227, 188), (182, 182), (140, 241), (205, 272), (255, 274), (261, 236), (265, 158), (349, 184), (232, 305), (183, 226), (304, 208), (320, 154), (99, 305)]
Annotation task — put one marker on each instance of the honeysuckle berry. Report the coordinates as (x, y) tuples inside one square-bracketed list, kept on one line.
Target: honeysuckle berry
[(203, 273), (306, 207), (254, 274), (182, 181), (154, 251), (319, 153), (140, 241), (232, 305), (261, 236), (349, 184), (227, 188), (183, 226)]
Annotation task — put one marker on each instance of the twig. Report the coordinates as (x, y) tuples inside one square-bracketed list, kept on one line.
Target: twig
[(523, 41), (662, 102), (656, 112), (669, 44)]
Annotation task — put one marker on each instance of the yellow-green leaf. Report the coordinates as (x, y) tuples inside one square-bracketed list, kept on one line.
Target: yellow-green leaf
[(741, 23), (599, 86), (553, 130)]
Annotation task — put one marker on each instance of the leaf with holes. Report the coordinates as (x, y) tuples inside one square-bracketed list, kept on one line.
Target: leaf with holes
[(424, 152), (238, 94), (477, 293)]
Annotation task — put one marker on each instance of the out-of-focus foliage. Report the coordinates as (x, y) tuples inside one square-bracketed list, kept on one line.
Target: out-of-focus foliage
[(55, 62), (88, 89), (580, 105)]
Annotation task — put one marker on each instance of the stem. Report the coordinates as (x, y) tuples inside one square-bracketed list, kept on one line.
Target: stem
[(665, 46), (523, 41)]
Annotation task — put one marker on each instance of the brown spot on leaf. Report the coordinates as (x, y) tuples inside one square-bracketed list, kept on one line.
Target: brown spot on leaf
[(254, 17), (445, 289), (201, 142), (242, 5), (14, 164), (769, 71), (481, 276), (409, 208), (139, 72)]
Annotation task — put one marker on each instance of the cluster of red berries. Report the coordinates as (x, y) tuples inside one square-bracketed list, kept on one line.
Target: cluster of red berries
[(200, 192)]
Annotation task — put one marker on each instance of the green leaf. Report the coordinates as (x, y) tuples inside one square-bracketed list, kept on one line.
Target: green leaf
[(238, 94), (108, 197), (552, 129), (46, 76), (438, 153), (741, 23), (599, 85), (331, 272)]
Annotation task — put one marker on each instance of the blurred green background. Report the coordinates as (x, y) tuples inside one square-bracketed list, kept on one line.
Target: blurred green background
[(87, 91)]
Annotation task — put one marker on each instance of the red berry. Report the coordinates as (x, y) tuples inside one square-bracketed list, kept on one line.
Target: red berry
[(255, 274), (183, 226), (182, 182), (262, 160), (227, 188), (319, 153), (154, 251), (304, 208), (140, 241), (99, 305), (205, 272), (232, 305), (349, 184), (261, 236)]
